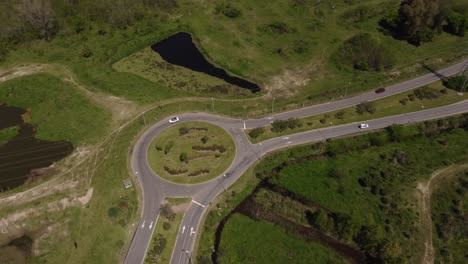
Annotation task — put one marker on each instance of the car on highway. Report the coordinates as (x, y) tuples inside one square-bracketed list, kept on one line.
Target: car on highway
[(363, 125), (380, 90), (174, 120)]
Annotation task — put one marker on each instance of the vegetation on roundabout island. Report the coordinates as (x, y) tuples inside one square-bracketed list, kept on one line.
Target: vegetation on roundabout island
[(191, 152)]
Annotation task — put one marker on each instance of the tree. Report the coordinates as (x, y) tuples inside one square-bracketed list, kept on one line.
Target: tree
[(38, 16), (456, 24), (417, 19)]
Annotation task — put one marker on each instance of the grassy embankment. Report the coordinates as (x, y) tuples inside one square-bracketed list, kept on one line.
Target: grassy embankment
[(272, 244), (165, 233), (449, 203), (172, 155), (379, 180), (387, 106)]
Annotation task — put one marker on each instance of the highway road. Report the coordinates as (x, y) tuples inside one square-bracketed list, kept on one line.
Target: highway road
[(155, 189)]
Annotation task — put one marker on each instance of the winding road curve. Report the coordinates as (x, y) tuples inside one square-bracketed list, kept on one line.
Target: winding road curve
[(155, 189)]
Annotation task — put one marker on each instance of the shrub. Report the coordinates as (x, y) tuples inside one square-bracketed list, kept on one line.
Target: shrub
[(256, 132), (366, 107), (158, 148), (166, 226), (113, 212), (404, 101), (282, 125), (183, 157), (204, 139), (214, 147), (183, 131), (277, 27), (426, 93), (168, 147), (411, 97), (363, 52), (86, 52), (167, 212), (339, 115), (323, 120), (198, 172), (174, 171), (228, 10)]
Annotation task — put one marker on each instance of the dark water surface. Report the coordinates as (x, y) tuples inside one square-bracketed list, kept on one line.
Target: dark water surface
[(25, 158), (180, 50)]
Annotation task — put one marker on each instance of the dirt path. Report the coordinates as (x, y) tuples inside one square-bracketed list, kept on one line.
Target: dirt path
[(425, 190), (120, 108)]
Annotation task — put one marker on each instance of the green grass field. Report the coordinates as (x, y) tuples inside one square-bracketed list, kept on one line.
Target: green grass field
[(398, 164), (165, 233), (387, 106), (58, 110), (247, 241), (165, 153)]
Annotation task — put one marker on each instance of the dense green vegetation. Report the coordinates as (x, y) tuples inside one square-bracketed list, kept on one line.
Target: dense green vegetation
[(449, 203), (247, 241), (191, 152), (58, 111), (374, 173), (378, 181)]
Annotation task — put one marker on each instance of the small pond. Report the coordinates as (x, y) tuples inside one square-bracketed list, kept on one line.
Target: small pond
[(180, 50), (25, 158)]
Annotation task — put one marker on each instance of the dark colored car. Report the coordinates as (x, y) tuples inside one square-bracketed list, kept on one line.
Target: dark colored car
[(380, 90)]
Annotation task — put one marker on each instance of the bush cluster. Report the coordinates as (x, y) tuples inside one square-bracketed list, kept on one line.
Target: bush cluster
[(256, 132), (214, 147), (366, 53), (198, 172), (174, 171), (279, 126), (366, 107)]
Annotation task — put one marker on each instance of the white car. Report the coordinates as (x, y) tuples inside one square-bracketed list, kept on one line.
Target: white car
[(363, 125), (174, 120)]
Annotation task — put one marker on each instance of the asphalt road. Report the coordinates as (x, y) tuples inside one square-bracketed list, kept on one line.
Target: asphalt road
[(155, 189)]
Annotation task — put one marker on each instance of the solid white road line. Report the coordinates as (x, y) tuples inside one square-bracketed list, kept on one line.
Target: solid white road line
[(195, 202)]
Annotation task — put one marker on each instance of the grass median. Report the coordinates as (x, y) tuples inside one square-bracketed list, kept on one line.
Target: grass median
[(167, 227), (430, 96), (191, 152)]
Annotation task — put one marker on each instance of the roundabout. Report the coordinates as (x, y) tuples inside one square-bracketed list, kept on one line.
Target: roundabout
[(191, 152), (155, 187)]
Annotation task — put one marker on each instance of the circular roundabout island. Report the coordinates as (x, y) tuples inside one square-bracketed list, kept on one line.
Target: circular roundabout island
[(191, 152)]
